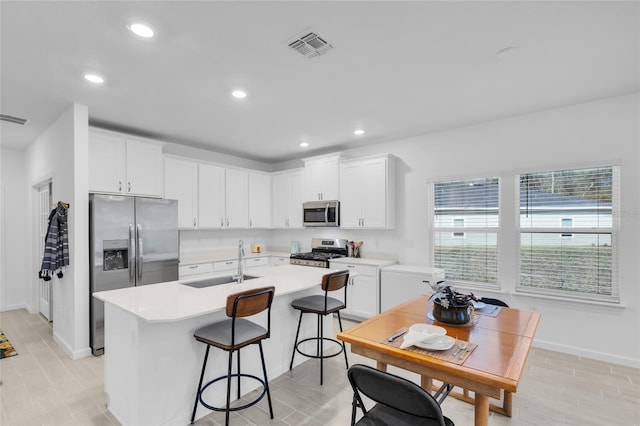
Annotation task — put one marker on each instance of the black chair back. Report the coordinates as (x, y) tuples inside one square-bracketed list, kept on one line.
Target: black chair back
[(393, 391)]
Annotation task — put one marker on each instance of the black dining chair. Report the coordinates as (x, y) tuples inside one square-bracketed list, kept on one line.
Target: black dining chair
[(399, 402), (233, 334), (322, 305)]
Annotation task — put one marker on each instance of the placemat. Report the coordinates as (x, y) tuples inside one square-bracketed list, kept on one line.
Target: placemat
[(456, 354), (489, 310)]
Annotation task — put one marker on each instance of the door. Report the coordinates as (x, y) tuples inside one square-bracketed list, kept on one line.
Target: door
[(181, 183), (156, 241), (112, 254), (211, 192), (44, 208), (237, 199)]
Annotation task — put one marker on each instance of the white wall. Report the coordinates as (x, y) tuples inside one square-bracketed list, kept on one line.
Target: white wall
[(14, 287), (603, 132), (61, 153)]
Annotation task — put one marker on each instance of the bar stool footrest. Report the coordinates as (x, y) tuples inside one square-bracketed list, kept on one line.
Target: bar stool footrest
[(322, 355), (255, 401)]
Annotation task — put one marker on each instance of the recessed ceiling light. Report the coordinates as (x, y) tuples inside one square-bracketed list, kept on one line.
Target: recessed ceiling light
[(358, 132), (304, 144), (94, 78), (239, 94), (142, 30)]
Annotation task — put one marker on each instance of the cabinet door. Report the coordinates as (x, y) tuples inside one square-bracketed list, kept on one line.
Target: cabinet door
[(144, 168), (321, 179), (237, 199), (259, 200), (296, 198), (280, 199), (374, 193), (180, 183), (211, 196), (351, 191), (363, 297), (107, 156)]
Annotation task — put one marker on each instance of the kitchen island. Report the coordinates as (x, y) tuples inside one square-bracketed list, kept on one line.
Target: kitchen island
[(152, 362)]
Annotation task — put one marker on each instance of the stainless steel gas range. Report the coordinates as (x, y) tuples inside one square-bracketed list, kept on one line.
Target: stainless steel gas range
[(322, 251)]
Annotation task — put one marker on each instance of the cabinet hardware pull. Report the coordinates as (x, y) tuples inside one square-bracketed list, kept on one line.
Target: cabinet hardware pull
[(227, 222), (119, 186), (250, 223), (193, 267), (128, 186), (194, 222)]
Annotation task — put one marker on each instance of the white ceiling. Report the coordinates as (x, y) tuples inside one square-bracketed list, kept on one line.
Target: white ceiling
[(397, 68)]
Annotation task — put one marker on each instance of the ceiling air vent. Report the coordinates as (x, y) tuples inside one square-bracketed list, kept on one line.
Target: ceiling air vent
[(12, 119), (310, 45)]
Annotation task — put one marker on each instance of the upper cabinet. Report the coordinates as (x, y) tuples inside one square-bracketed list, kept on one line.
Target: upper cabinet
[(124, 165), (209, 196), (367, 188), (288, 190), (181, 183), (322, 178), (259, 200)]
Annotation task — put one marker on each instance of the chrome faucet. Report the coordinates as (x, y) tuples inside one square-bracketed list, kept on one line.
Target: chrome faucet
[(240, 276)]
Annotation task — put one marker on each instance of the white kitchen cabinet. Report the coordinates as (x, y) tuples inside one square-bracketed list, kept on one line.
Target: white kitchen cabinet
[(124, 165), (225, 265), (399, 283), (259, 200), (287, 198), (237, 198), (195, 270), (181, 183), (367, 190), (363, 289), (256, 262), (211, 196), (278, 260), (322, 176)]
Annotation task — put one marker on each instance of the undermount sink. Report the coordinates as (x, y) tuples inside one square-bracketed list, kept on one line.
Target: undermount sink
[(209, 282)]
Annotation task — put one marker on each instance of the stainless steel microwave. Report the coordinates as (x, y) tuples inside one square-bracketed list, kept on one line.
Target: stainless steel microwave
[(321, 213)]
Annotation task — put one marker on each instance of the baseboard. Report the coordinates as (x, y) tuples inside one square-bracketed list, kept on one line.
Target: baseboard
[(73, 354), (14, 307), (600, 356)]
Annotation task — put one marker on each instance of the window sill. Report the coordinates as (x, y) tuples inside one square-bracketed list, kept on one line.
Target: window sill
[(615, 305)]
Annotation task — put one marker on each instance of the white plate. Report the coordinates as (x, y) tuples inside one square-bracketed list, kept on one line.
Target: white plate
[(478, 305), (440, 343)]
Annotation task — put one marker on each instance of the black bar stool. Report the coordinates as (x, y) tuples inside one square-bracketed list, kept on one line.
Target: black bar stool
[(322, 306), (232, 335)]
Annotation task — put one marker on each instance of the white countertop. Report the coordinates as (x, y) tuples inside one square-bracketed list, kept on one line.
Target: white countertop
[(363, 261), (172, 301)]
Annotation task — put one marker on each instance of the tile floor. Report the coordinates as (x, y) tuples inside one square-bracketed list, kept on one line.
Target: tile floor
[(42, 386)]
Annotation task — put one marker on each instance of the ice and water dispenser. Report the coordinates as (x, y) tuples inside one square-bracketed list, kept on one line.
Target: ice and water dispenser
[(115, 255)]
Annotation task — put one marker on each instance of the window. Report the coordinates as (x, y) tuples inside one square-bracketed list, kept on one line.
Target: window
[(568, 203), (471, 205)]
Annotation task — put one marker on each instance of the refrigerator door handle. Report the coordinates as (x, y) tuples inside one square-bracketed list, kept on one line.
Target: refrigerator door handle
[(132, 250), (139, 253)]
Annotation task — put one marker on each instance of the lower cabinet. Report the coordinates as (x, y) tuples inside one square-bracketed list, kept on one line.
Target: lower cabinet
[(363, 292), (278, 260)]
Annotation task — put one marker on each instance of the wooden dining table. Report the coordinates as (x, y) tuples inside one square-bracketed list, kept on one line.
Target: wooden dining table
[(492, 370)]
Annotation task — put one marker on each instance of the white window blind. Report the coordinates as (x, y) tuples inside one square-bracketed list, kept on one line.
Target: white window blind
[(581, 266), (465, 229)]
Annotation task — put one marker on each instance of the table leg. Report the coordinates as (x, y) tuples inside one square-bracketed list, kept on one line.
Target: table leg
[(381, 366), (426, 383), (481, 410), (508, 400)]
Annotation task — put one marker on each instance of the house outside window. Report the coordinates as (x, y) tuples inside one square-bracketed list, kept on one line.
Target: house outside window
[(567, 233), (566, 222), (465, 230)]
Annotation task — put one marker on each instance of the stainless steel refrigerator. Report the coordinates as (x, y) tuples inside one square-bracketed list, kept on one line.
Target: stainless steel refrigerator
[(133, 241)]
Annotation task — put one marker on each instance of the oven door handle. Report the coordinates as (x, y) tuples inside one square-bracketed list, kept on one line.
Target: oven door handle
[(326, 214)]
